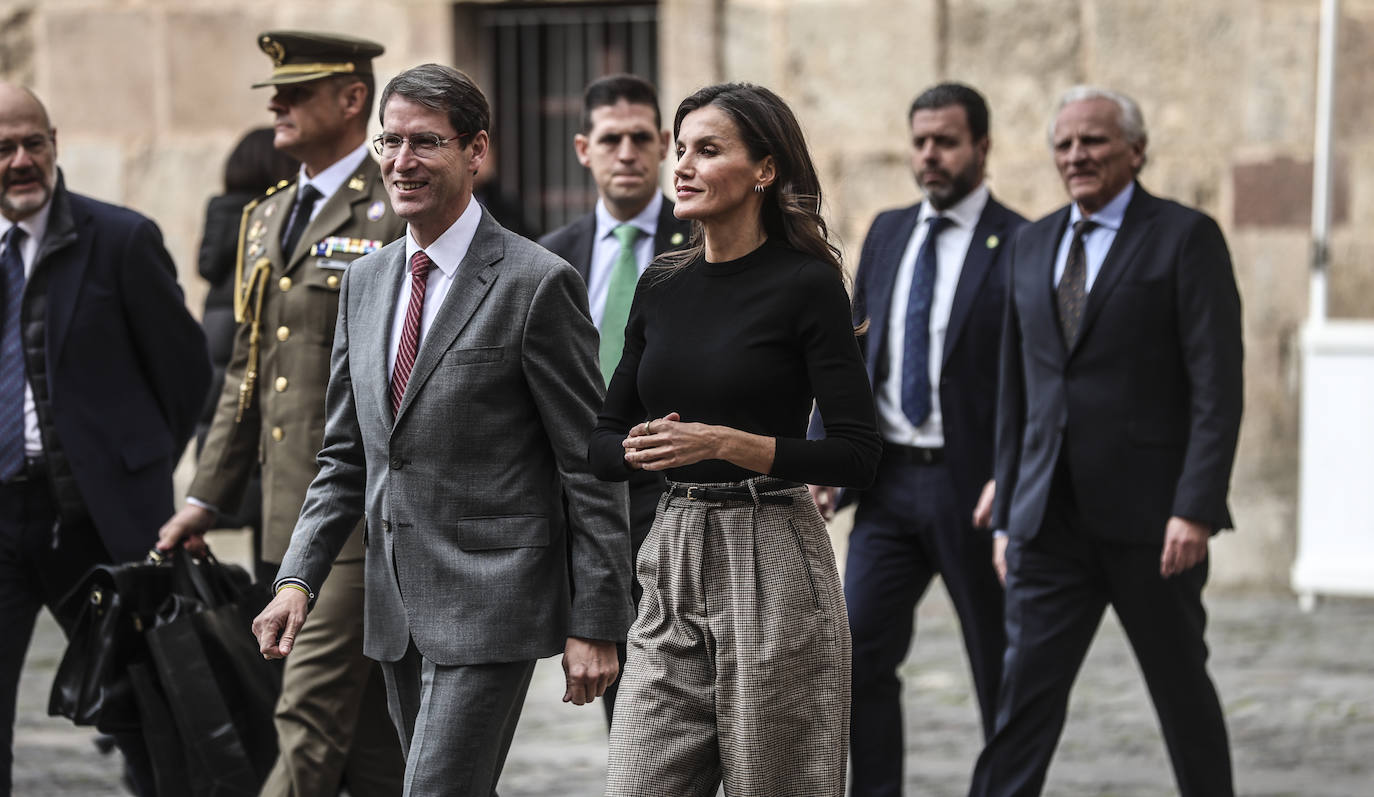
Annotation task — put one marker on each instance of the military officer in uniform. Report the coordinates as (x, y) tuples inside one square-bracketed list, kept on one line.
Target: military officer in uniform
[(332, 722)]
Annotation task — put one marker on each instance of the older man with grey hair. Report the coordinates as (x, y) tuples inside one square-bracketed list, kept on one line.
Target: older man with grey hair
[(1118, 413)]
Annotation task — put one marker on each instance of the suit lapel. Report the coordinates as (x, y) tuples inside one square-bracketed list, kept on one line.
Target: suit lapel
[(881, 283), (276, 225), (64, 255), (1135, 231), (584, 243), (474, 279), (1037, 248), (979, 259), (672, 232), (393, 275)]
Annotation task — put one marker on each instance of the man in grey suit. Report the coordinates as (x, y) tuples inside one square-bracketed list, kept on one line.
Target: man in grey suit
[(463, 386)]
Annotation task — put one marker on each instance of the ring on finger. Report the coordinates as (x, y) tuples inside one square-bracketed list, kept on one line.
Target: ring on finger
[(648, 427)]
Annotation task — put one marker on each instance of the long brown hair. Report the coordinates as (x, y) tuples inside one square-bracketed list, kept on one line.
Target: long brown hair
[(792, 203)]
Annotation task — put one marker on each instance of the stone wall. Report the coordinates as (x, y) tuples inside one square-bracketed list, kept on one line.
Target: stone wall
[(149, 96)]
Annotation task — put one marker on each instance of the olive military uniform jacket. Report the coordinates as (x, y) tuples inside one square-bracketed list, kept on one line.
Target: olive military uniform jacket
[(272, 407)]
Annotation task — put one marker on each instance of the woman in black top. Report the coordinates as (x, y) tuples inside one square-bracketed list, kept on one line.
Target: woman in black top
[(738, 662)]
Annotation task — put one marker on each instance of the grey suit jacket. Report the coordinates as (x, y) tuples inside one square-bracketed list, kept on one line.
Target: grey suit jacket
[(487, 538)]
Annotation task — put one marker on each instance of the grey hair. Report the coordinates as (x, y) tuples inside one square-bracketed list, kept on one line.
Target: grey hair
[(1129, 117)]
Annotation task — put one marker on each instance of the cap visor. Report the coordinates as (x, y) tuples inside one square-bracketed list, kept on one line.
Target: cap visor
[(280, 80)]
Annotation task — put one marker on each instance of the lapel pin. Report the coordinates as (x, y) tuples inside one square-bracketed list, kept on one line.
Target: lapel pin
[(376, 210), (356, 183), (993, 241), (268, 211), (676, 239)]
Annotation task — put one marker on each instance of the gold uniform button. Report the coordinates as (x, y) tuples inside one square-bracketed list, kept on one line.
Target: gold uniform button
[(277, 433), (281, 383), (332, 281), (283, 333), (284, 283)]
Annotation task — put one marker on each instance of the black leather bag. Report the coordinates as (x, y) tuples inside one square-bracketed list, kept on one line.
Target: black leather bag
[(219, 689), (117, 603)]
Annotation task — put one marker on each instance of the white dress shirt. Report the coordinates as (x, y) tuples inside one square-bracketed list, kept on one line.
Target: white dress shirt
[(34, 227), (447, 252), (606, 248), (950, 250)]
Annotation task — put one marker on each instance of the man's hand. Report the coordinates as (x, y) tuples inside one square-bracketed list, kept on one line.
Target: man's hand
[(1185, 544), (277, 626), (999, 556), (824, 497), (982, 512), (589, 666), (186, 528)]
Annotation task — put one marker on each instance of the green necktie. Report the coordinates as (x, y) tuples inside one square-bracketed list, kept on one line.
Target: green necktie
[(624, 277)]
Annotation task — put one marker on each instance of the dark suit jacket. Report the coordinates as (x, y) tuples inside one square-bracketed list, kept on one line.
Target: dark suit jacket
[(127, 367), (574, 243), (1147, 404), (968, 371)]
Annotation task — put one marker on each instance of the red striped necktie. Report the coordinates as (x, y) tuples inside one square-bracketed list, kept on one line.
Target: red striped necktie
[(420, 266)]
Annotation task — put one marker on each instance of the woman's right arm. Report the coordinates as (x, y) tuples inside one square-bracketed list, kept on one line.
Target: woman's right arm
[(623, 407)]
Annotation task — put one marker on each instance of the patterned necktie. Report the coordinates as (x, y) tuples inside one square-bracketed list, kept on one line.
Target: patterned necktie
[(619, 294), (12, 358), (300, 218), (420, 266), (1072, 292), (916, 357)]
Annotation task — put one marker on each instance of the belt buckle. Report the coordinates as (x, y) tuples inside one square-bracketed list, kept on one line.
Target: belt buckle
[(692, 493)]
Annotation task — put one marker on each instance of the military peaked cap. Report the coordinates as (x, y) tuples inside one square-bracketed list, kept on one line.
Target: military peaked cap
[(299, 56)]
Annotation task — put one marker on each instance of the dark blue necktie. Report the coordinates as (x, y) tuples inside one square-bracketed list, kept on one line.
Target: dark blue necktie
[(916, 358), (12, 358)]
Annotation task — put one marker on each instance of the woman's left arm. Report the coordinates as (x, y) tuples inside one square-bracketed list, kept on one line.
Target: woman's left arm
[(848, 454)]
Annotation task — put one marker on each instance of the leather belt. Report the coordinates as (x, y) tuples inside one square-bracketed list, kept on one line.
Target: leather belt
[(34, 470), (912, 455), (767, 493)]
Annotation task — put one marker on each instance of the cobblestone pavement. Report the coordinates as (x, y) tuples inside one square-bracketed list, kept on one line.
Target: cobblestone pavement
[(1298, 691)]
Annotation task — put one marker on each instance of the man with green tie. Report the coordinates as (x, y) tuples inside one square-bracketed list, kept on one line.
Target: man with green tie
[(623, 144)]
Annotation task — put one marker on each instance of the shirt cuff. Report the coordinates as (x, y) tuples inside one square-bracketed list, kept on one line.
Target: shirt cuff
[(290, 582), (998, 533), (193, 501)]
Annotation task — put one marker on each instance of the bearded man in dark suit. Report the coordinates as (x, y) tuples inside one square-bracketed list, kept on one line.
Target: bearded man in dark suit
[(931, 284)]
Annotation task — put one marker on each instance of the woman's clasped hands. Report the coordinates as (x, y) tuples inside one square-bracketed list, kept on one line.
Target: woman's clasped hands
[(667, 442)]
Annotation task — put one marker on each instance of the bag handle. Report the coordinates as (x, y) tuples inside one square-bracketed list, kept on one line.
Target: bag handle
[(190, 578)]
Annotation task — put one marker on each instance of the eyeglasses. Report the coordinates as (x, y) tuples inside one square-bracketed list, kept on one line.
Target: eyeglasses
[(35, 146), (422, 145)]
